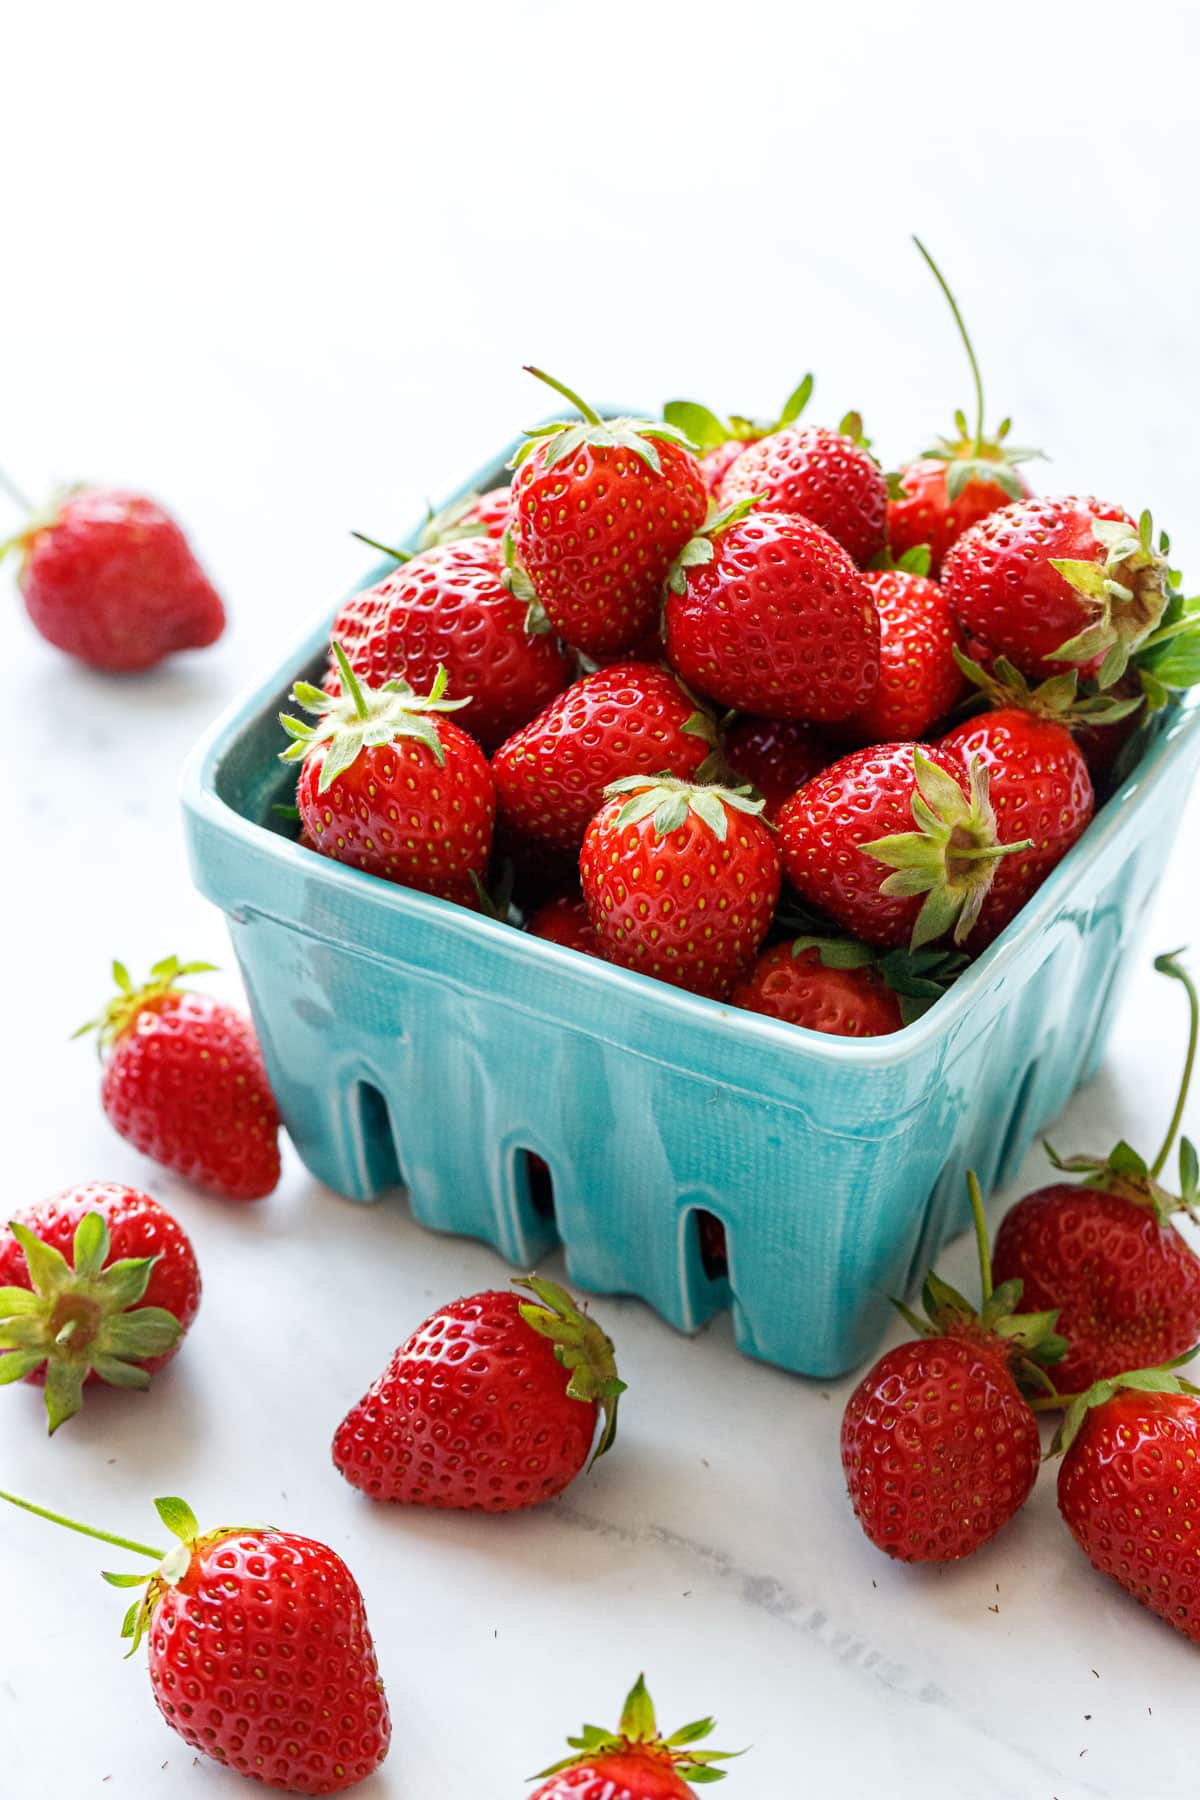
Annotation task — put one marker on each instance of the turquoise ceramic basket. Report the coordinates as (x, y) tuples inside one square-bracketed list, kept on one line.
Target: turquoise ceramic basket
[(408, 1040)]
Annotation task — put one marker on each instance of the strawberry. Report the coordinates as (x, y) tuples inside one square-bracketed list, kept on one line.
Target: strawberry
[(108, 576), (184, 1083), (1054, 584), (635, 1762), (1129, 1488), (721, 441), (680, 880), (919, 680), (389, 786), (776, 756), (1041, 795), (1105, 1253), (962, 478), (842, 987), (844, 829), (600, 510), (99, 1283), (447, 607), (939, 1446), (476, 515), (767, 613), (491, 1405), (564, 920), (259, 1650), (629, 719), (827, 477)]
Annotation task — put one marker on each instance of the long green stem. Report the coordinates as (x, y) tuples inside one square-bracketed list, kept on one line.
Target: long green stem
[(349, 680), (581, 406), (966, 338), (1166, 965), (401, 556), (105, 1537), (14, 493), (981, 1235)]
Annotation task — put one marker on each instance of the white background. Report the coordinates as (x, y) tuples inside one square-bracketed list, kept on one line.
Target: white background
[(281, 266)]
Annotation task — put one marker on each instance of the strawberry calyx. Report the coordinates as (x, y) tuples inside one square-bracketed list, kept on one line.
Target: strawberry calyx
[(952, 856), (561, 438), (80, 1316), (666, 801), (1028, 1341), (638, 1735), (974, 456), (1126, 593), (363, 717), (915, 561), (916, 977), (580, 1346), (701, 548), (1160, 1380), (120, 1013), (1058, 697), (452, 524), (708, 431), (1123, 1171), (1167, 662), (38, 518), (515, 581)]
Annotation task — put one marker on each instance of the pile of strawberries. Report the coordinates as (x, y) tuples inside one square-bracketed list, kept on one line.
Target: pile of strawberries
[(681, 661)]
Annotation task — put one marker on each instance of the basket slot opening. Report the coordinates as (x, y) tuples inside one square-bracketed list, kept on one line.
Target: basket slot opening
[(372, 1126), (1012, 1146), (539, 1183), (713, 1242)]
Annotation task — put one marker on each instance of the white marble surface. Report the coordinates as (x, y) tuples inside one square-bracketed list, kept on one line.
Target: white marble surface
[(285, 276)]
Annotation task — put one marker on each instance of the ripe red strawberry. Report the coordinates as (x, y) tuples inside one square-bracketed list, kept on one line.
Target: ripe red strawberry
[(843, 987), (1129, 1488), (260, 1654), (630, 719), (1055, 584), (962, 478), (491, 1405), (564, 920), (184, 1083), (389, 786), (98, 1283), (939, 1446), (846, 828), (828, 477), (635, 1762), (680, 880), (476, 515), (776, 756), (109, 577), (767, 613), (600, 510), (1041, 795), (448, 607), (1105, 1253), (721, 441), (919, 680)]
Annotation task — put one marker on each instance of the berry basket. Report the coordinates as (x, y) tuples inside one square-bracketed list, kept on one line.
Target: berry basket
[(409, 1040)]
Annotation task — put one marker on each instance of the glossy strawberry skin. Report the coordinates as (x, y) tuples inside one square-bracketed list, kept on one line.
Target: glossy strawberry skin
[(491, 510), (1127, 1289), (629, 1775), (1003, 590), (138, 1226), (927, 515), (776, 756), (1040, 789), (564, 920), (449, 608), (864, 796), (686, 907), (597, 533), (780, 623), (715, 464), (939, 1448), (185, 1085), (802, 991), (471, 1413), (399, 814), (262, 1658), (919, 680), (1129, 1492), (114, 582), (630, 719), (819, 475)]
